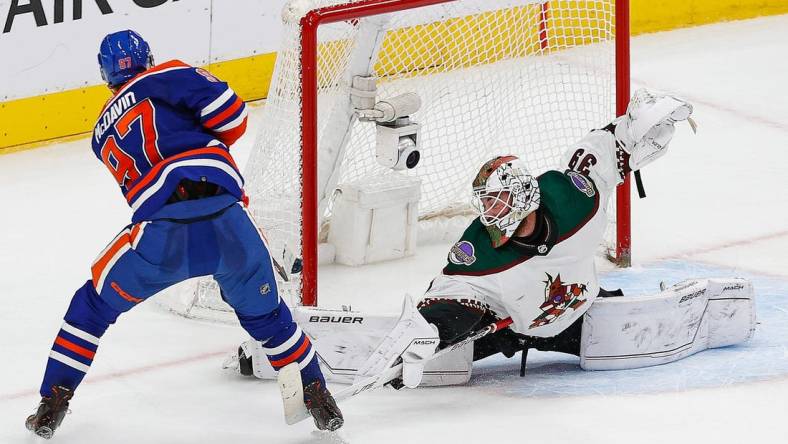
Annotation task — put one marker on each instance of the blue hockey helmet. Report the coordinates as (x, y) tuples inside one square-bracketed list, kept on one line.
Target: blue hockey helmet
[(122, 55)]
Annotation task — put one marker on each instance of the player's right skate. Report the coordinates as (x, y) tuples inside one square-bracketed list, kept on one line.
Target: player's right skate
[(50, 413), (307, 397), (322, 407)]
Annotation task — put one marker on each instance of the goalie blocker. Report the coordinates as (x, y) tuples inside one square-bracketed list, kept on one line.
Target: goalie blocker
[(615, 333)]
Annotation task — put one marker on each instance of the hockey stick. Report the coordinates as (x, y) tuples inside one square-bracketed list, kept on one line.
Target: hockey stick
[(280, 270), (295, 263), (376, 381)]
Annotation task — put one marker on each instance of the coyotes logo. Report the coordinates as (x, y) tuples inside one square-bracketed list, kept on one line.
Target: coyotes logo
[(558, 297)]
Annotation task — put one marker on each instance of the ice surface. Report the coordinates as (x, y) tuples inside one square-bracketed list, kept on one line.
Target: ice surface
[(717, 206)]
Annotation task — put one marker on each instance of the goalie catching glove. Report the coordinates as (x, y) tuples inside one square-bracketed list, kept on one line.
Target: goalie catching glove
[(648, 126), (412, 339)]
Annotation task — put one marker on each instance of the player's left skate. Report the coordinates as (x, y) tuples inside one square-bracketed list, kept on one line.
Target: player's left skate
[(50, 413), (322, 407)]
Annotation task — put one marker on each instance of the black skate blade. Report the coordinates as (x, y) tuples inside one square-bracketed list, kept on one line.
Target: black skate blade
[(334, 424), (328, 424), (44, 432)]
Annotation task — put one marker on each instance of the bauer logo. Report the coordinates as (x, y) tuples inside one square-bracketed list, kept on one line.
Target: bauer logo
[(692, 295), (337, 319), (462, 253)]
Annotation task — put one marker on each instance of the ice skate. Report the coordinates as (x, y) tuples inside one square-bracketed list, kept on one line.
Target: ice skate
[(50, 413), (322, 407)]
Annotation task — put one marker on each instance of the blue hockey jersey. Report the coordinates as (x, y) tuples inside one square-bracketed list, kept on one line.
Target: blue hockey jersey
[(169, 123)]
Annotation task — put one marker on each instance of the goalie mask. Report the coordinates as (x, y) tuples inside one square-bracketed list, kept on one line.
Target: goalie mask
[(504, 193)]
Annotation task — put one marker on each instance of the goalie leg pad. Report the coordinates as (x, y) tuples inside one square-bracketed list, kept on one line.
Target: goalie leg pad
[(343, 340), (691, 316)]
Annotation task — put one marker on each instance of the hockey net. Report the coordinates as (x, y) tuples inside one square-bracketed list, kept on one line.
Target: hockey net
[(494, 77)]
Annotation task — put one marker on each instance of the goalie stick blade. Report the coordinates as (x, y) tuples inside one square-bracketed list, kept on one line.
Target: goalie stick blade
[(371, 383), (292, 391)]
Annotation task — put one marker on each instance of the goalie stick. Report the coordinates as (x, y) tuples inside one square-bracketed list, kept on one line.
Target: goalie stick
[(294, 415)]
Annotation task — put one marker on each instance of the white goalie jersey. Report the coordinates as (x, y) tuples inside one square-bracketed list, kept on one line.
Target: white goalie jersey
[(548, 282)]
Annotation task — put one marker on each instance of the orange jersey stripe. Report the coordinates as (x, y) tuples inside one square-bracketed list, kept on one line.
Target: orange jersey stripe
[(230, 136), (82, 351), (146, 179), (101, 264), (134, 233), (210, 123), (293, 356)]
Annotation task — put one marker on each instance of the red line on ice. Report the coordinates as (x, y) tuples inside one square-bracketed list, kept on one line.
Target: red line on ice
[(725, 245), (124, 373)]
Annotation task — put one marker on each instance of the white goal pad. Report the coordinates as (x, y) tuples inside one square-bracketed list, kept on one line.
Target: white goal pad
[(344, 340), (691, 316)]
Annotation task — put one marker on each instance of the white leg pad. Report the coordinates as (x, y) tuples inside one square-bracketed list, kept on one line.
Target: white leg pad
[(691, 316), (261, 368), (344, 341)]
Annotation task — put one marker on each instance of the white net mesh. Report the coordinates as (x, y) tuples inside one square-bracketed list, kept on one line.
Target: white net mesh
[(494, 76)]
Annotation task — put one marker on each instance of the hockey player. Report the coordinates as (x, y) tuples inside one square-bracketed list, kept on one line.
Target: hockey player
[(529, 256), (165, 137)]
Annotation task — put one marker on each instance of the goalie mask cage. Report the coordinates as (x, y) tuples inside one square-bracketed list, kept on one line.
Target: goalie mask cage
[(494, 76)]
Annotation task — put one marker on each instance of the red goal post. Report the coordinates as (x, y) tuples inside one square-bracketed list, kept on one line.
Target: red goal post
[(623, 257), (309, 120)]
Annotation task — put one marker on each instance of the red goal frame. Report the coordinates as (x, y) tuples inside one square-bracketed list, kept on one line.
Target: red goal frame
[(309, 93)]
